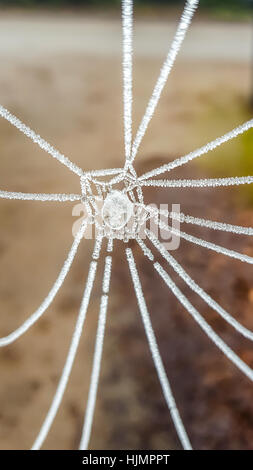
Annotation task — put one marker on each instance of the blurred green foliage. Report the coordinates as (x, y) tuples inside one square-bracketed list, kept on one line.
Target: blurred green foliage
[(227, 4), (226, 10)]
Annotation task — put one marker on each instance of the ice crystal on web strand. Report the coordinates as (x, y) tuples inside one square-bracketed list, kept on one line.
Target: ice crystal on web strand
[(202, 183), (155, 353), (190, 7), (200, 151)]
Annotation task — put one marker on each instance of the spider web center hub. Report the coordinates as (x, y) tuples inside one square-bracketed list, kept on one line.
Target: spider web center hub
[(117, 210)]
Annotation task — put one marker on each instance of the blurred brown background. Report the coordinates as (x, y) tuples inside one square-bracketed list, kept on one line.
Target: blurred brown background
[(61, 74)]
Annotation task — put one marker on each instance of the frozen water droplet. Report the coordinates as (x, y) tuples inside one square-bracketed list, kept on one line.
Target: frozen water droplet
[(117, 210)]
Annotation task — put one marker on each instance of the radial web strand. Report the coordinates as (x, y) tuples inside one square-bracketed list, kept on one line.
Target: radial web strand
[(39, 197), (188, 219), (198, 152), (213, 246), (97, 247), (69, 361), (91, 402), (210, 246), (106, 172), (156, 355), (51, 295), (196, 288), (109, 248), (229, 353), (146, 251), (127, 32), (190, 7), (37, 139), (211, 224), (199, 183)]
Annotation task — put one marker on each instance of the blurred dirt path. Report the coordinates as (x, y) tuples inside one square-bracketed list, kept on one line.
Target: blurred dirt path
[(44, 35)]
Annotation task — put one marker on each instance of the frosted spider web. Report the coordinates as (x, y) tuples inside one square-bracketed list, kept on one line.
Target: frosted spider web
[(115, 206)]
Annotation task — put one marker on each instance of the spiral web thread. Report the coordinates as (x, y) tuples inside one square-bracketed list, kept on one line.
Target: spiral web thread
[(123, 175)]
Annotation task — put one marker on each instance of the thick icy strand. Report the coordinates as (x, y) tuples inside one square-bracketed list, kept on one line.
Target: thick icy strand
[(156, 355), (188, 219), (37, 139), (147, 252), (40, 197), (229, 353), (211, 224), (109, 245), (97, 246), (95, 375), (200, 151), (69, 361), (50, 297), (199, 183), (89, 415), (214, 247), (107, 274), (106, 172), (184, 23), (196, 288), (208, 245), (127, 32)]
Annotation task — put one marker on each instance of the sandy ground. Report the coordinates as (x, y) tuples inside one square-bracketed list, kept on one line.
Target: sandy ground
[(62, 76), (48, 35)]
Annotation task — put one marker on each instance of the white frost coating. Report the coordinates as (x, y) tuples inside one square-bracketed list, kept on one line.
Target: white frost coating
[(109, 245), (97, 247), (205, 244), (116, 179), (213, 247), (200, 151), (127, 31), (107, 274), (229, 353), (156, 355), (39, 197), (147, 252), (89, 415), (188, 219), (190, 7), (38, 140), (196, 288), (139, 194), (215, 225), (106, 172), (69, 361), (51, 295), (200, 183), (132, 196), (117, 210)]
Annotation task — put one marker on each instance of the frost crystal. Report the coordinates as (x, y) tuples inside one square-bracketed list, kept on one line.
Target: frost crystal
[(117, 210)]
